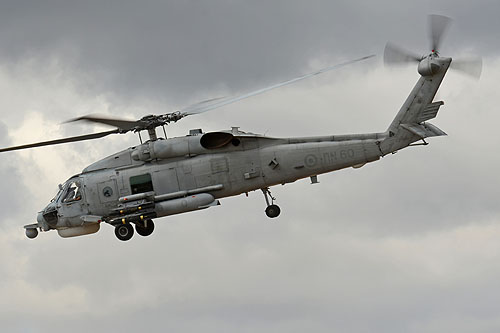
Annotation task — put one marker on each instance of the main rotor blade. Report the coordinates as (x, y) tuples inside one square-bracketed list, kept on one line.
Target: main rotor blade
[(219, 102), (395, 55), (122, 124), (472, 66), (192, 109), (59, 141), (438, 25)]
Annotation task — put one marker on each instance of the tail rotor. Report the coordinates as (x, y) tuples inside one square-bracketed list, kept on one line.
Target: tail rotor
[(438, 26)]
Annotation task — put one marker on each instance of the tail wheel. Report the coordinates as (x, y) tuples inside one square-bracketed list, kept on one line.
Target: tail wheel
[(124, 231), (273, 211), (145, 228)]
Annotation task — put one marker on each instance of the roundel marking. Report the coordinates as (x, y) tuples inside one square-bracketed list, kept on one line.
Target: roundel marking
[(311, 160), (107, 191)]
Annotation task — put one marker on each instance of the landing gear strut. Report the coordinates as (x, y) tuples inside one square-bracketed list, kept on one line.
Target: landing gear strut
[(145, 228), (272, 210)]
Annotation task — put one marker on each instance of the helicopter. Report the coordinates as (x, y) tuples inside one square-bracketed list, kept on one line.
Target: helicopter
[(167, 176)]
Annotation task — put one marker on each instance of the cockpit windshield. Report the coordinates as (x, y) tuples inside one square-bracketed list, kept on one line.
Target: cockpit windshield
[(69, 192), (58, 194), (57, 197)]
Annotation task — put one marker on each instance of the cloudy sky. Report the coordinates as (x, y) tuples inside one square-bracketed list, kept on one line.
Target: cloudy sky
[(407, 244)]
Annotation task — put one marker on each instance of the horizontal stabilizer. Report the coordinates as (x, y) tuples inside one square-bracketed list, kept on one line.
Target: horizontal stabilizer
[(423, 130), (430, 111)]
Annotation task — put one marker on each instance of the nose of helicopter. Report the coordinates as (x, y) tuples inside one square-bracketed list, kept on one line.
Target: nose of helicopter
[(40, 219), (47, 217)]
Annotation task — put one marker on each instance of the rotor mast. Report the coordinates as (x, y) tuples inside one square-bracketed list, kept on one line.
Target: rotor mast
[(152, 134)]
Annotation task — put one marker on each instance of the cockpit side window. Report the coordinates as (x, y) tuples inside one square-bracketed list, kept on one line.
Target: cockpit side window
[(141, 183), (72, 193)]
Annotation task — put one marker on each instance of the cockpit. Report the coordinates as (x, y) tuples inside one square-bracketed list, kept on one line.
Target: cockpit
[(65, 210), (69, 192), (72, 192)]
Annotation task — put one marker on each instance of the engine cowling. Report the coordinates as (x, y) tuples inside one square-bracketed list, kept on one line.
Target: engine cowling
[(183, 146), (162, 149)]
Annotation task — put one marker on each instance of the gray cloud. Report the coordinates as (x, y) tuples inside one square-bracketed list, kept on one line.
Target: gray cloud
[(173, 50), (408, 243), (13, 189)]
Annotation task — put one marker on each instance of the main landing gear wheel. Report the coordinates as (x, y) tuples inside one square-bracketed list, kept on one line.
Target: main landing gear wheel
[(145, 228), (124, 231), (272, 210)]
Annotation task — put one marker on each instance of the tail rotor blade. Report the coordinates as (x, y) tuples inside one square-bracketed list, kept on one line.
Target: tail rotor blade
[(472, 66), (438, 25), (395, 55)]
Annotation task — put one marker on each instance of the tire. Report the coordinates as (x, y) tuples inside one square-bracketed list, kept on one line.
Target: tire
[(124, 231), (145, 230), (273, 211)]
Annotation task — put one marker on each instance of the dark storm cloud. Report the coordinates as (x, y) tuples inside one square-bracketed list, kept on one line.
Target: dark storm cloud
[(170, 50)]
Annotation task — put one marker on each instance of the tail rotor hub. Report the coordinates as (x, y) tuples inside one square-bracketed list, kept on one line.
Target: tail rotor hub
[(432, 63), (429, 66)]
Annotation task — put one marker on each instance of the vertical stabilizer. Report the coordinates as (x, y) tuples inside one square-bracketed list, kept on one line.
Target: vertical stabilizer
[(418, 107), (409, 124)]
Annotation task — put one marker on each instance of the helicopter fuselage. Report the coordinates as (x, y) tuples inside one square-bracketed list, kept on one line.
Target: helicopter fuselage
[(229, 163)]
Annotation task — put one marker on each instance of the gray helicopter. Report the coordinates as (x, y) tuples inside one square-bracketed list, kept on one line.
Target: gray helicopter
[(162, 177)]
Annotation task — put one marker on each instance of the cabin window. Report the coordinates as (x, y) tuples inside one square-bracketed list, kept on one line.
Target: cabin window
[(141, 183), (72, 193)]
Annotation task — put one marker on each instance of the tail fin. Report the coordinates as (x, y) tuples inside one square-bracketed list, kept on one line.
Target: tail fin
[(409, 124)]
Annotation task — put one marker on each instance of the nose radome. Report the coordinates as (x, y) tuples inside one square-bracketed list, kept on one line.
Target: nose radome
[(40, 219)]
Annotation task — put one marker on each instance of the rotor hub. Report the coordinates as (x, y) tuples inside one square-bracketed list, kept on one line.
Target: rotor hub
[(431, 65)]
